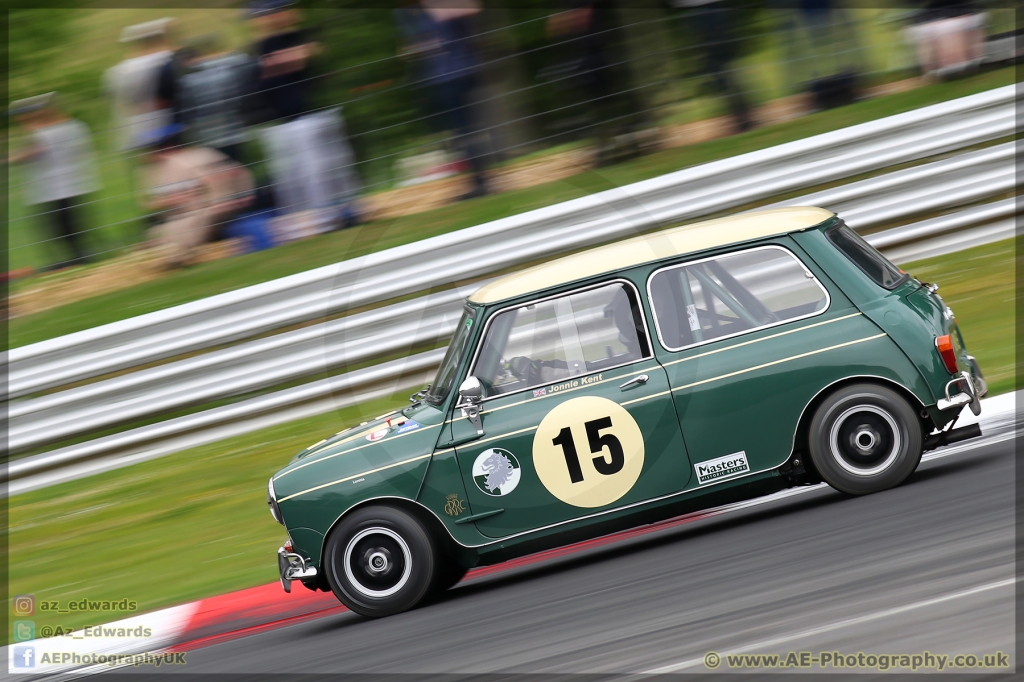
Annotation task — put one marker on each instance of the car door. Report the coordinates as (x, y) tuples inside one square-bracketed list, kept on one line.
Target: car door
[(577, 414), (748, 338)]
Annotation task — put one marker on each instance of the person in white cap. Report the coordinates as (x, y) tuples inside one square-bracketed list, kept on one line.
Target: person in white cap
[(61, 167), (132, 84)]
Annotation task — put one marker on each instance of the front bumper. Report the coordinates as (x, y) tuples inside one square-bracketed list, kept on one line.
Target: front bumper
[(292, 567)]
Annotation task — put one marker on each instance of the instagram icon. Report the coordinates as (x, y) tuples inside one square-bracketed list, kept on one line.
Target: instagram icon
[(24, 605)]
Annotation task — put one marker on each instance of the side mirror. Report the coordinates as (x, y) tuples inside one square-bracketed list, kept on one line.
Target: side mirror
[(471, 392)]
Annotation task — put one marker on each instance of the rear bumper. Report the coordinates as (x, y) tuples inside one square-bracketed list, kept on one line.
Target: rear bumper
[(979, 379), (292, 567), (968, 394)]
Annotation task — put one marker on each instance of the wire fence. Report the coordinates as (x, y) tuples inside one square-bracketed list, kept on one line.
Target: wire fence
[(458, 136), (384, 183), (415, 141)]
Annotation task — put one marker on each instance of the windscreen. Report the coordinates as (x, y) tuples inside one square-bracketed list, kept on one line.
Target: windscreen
[(442, 385)]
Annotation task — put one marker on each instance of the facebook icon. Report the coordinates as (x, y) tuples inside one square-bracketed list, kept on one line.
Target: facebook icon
[(24, 657)]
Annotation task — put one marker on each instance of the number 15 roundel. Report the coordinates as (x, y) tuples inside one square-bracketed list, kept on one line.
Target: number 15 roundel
[(588, 452)]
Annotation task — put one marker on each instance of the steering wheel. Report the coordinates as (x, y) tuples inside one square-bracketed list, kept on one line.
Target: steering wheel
[(523, 368)]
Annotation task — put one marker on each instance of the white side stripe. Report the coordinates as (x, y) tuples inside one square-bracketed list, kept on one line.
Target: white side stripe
[(777, 362)]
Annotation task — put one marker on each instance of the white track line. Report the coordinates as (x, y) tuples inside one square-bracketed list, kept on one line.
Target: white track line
[(775, 641)]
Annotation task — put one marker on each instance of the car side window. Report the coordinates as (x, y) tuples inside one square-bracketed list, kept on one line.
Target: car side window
[(559, 338), (866, 257), (731, 294)]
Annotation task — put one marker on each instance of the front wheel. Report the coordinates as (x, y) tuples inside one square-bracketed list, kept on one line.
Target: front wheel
[(380, 561), (865, 438)]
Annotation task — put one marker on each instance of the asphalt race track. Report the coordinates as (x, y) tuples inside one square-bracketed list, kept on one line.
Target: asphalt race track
[(926, 566)]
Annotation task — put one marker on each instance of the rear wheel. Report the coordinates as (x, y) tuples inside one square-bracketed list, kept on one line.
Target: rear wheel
[(865, 438), (380, 561)]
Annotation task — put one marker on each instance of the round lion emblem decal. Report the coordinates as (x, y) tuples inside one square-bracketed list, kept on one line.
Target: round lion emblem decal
[(496, 472)]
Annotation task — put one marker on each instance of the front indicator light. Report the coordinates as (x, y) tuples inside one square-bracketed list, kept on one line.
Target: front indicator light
[(944, 344)]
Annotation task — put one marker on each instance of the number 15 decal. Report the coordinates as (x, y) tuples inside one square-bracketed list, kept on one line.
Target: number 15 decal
[(613, 439), (597, 443)]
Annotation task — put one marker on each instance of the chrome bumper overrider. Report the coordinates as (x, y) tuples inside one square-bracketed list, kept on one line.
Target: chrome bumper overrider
[(980, 385), (969, 396), (292, 567)]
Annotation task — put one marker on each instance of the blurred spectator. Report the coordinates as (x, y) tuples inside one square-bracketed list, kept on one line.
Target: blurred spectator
[(284, 52), (61, 166), (195, 189), (832, 54), (311, 162), (447, 67), (167, 80), (949, 38), (132, 84), (593, 40), (210, 93), (713, 24)]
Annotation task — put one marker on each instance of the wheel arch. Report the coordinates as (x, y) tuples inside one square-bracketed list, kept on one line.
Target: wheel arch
[(800, 435), (435, 527)]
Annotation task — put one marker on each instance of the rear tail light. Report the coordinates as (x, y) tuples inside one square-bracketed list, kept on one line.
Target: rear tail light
[(944, 345)]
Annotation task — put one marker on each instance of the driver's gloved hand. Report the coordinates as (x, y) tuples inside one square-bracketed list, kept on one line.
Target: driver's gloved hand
[(520, 366)]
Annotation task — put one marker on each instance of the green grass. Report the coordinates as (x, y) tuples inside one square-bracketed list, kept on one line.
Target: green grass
[(220, 276), (195, 524), (979, 285), (166, 531)]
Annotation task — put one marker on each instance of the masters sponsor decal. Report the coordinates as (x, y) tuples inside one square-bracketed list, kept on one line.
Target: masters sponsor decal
[(715, 470)]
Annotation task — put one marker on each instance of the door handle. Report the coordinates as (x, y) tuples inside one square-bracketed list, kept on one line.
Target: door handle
[(639, 379), (460, 441)]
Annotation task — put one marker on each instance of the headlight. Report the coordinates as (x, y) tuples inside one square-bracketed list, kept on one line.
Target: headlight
[(275, 510)]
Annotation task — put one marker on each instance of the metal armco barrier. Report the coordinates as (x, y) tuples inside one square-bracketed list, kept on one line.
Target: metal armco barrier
[(476, 251), (897, 196)]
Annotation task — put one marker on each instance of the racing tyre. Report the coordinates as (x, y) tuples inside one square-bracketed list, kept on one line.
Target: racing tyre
[(865, 438), (380, 561)]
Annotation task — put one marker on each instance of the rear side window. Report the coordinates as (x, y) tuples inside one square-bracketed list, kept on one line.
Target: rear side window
[(867, 258), (719, 297), (545, 342)]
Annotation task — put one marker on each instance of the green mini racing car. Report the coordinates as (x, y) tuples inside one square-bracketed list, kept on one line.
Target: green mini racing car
[(630, 383)]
